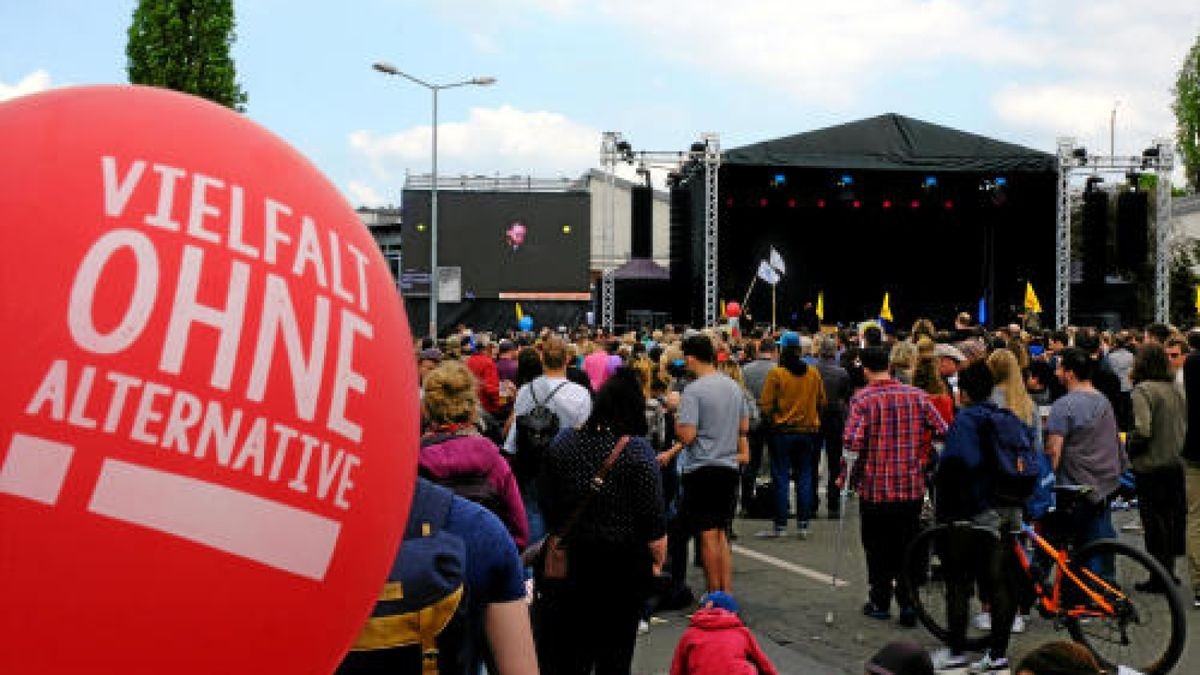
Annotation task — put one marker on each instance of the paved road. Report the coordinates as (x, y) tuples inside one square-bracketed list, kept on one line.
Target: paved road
[(783, 588)]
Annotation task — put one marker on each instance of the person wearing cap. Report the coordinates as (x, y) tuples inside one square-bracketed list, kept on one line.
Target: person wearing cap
[(792, 400), (427, 360), (950, 359), (885, 430), (716, 642), (506, 371)]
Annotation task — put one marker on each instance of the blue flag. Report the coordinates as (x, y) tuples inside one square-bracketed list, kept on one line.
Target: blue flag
[(983, 311)]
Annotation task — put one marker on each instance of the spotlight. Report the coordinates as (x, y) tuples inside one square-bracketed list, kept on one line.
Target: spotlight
[(948, 204), (856, 204), (1000, 181), (762, 202), (930, 182), (420, 227), (845, 180), (779, 180), (792, 203), (1080, 154), (914, 204), (820, 203), (887, 203), (566, 229)]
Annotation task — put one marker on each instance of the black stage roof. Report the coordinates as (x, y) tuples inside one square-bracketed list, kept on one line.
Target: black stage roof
[(892, 142)]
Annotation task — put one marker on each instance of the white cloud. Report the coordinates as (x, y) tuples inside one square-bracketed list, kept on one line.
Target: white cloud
[(504, 140), (361, 194), (38, 80)]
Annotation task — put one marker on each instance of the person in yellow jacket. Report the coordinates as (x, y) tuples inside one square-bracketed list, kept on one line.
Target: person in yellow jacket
[(792, 400)]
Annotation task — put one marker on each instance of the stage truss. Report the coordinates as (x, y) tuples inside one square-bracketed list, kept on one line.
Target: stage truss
[(706, 153), (1074, 160)]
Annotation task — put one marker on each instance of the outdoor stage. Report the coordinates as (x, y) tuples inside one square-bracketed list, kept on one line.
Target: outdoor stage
[(938, 218)]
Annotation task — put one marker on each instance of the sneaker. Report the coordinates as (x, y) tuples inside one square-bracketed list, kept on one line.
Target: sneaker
[(1132, 526), (908, 617), (1196, 601), (773, 533), (1018, 624), (944, 659), (802, 533), (643, 627), (989, 664), (982, 621), (876, 612)]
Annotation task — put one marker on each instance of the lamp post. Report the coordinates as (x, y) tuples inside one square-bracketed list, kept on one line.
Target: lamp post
[(389, 69)]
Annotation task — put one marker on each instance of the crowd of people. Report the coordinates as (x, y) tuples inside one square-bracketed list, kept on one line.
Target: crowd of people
[(623, 449)]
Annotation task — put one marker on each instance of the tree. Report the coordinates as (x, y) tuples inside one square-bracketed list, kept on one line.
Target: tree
[(1187, 114), (185, 45)]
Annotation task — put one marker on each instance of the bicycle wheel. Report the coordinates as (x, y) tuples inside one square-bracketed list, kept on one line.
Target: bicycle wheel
[(930, 564), (1147, 630)]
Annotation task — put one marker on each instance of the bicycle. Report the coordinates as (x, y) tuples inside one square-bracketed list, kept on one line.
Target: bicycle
[(1129, 613)]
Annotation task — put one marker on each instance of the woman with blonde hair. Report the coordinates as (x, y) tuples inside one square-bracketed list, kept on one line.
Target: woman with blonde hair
[(1010, 391), (455, 455), (903, 359)]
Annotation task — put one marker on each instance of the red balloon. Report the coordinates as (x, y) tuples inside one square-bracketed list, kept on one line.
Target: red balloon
[(208, 423), (733, 310)]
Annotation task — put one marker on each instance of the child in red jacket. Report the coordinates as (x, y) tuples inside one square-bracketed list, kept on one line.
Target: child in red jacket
[(717, 643)]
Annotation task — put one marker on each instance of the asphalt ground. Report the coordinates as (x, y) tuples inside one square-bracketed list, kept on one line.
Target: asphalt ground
[(784, 590)]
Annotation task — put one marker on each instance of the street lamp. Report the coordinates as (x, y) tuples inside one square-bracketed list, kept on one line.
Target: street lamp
[(389, 69)]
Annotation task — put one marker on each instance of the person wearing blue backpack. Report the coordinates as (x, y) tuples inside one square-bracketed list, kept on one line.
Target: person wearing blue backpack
[(977, 483)]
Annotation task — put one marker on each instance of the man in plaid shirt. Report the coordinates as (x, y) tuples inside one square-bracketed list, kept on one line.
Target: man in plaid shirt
[(886, 428)]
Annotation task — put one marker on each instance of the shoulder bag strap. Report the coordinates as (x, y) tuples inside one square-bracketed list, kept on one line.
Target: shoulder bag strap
[(596, 486)]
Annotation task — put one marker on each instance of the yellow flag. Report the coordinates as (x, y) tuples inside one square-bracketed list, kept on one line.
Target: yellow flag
[(1031, 299), (885, 312), (821, 305), (520, 314), (1198, 299), (724, 313)]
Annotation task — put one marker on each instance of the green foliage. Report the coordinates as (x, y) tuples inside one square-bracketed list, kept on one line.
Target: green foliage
[(1187, 114), (185, 45), (1183, 286)]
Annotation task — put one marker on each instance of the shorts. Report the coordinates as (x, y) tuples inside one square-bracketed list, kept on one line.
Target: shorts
[(709, 498)]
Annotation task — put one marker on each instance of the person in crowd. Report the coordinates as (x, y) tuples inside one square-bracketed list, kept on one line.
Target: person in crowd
[(1010, 392), (1042, 384), (529, 366), (598, 365), (884, 430), (483, 366), (963, 329), (453, 453), (590, 619), (950, 359), (1104, 380), (923, 328), (716, 642), (712, 424), (1120, 361), (506, 370), (833, 422), (1156, 333), (1061, 657), (1084, 449), (496, 628), (793, 398), (1155, 446), (903, 360), (1191, 456), (754, 374), (1176, 348), (570, 403), (927, 378), (1056, 343), (964, 493), (427, 360)]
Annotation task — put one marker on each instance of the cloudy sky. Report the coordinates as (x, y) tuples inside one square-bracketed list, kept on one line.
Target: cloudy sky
[(660, 72)]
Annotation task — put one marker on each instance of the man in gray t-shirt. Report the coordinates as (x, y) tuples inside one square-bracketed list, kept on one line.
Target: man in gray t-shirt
[(712, 423), (1083, 446)]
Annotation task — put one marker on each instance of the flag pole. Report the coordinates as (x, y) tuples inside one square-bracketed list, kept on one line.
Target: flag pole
[(772, 308), (746, 300)]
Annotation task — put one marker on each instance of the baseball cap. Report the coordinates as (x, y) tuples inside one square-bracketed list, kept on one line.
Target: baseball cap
[(789, 339)]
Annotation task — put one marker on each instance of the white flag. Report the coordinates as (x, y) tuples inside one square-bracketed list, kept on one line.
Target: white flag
[(767, 273), (777, 261)]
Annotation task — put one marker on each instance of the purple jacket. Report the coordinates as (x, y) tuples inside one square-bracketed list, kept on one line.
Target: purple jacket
[(474, 454)]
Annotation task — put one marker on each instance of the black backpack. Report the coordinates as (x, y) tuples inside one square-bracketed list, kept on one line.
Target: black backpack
[(535, 430), (419, 623), (1014, 460)]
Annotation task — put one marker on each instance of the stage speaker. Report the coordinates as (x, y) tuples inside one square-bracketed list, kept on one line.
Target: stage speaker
[(1095, 237), (642, 222), (687, 258), (1133, 212)]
